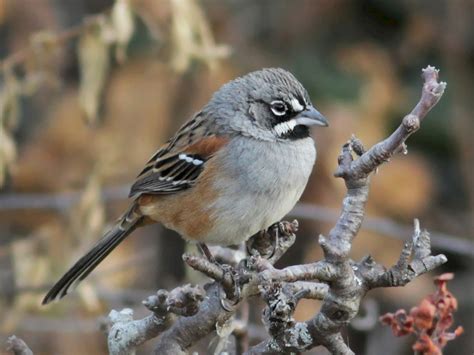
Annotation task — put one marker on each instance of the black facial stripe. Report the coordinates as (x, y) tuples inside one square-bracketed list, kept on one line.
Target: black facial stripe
[(286, 117), (279, 119), (299, 132)]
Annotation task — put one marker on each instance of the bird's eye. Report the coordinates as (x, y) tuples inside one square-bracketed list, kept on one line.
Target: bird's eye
[(278, 107)]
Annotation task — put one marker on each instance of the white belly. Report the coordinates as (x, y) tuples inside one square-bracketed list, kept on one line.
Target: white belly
[(264, 181)]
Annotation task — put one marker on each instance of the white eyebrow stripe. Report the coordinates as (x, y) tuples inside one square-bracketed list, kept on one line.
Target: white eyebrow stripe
[(285, 127), (297, 107)]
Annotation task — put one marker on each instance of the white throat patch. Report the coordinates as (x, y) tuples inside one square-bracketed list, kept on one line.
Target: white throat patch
[(285, 127)]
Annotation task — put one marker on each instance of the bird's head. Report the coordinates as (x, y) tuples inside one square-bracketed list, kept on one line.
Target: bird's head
[(269, 104)]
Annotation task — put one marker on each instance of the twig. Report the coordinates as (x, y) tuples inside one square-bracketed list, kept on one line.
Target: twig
[(419, 248), (211, 270)]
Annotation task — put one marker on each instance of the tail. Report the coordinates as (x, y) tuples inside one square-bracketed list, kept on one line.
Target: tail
[(84, 266)]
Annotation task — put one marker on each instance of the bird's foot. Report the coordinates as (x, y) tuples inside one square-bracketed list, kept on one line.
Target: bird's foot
[(260, 244), (207, 253), (230, 278), (287, 229), (267, 243), (231, 289)]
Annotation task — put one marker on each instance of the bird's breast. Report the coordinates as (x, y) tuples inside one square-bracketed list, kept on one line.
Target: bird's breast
[(259, 183)]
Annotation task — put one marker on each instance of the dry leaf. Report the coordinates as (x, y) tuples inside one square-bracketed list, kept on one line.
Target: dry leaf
[(43, 66), (45, 46), (7, 153), (423, 314), (429, 321), (94, 65), (192, 37), (124, 26), (9, 103), (9, 116)]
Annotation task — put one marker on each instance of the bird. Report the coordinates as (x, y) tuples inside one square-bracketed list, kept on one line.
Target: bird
[(235, 168)]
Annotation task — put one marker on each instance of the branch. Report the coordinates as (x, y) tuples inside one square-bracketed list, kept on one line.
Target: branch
[(124, 333), (308, 290), (356, 172), (223, 296), (381, 152), (320, 270), (188, 330), (404, 271)]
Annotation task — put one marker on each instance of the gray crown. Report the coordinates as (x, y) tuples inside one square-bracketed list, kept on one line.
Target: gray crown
[(241, 105)]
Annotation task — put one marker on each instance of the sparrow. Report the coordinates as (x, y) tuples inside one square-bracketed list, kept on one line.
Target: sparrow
[(235, 168)]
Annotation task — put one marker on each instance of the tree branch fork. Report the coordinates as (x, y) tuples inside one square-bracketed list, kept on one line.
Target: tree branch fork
[(183, 316)]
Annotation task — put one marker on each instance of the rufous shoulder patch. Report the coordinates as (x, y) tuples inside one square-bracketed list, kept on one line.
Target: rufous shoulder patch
[(207, 146)]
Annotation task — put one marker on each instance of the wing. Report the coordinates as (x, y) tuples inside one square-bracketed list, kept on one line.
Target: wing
[(177, 165)]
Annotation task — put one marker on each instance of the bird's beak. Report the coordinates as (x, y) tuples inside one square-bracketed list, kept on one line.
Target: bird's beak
[(311, 117)]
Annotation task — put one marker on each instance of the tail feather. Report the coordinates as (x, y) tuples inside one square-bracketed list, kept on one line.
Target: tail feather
[(84, 266)]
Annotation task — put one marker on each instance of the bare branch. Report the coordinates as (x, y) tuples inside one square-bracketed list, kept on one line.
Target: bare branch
[(404, 271), (320, 270), (182, 301), (188, 330), (124, 333), (222, 274), (381, 152), (308, 290)]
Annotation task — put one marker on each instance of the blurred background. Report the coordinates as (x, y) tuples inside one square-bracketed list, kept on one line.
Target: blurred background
[(90, 89)]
